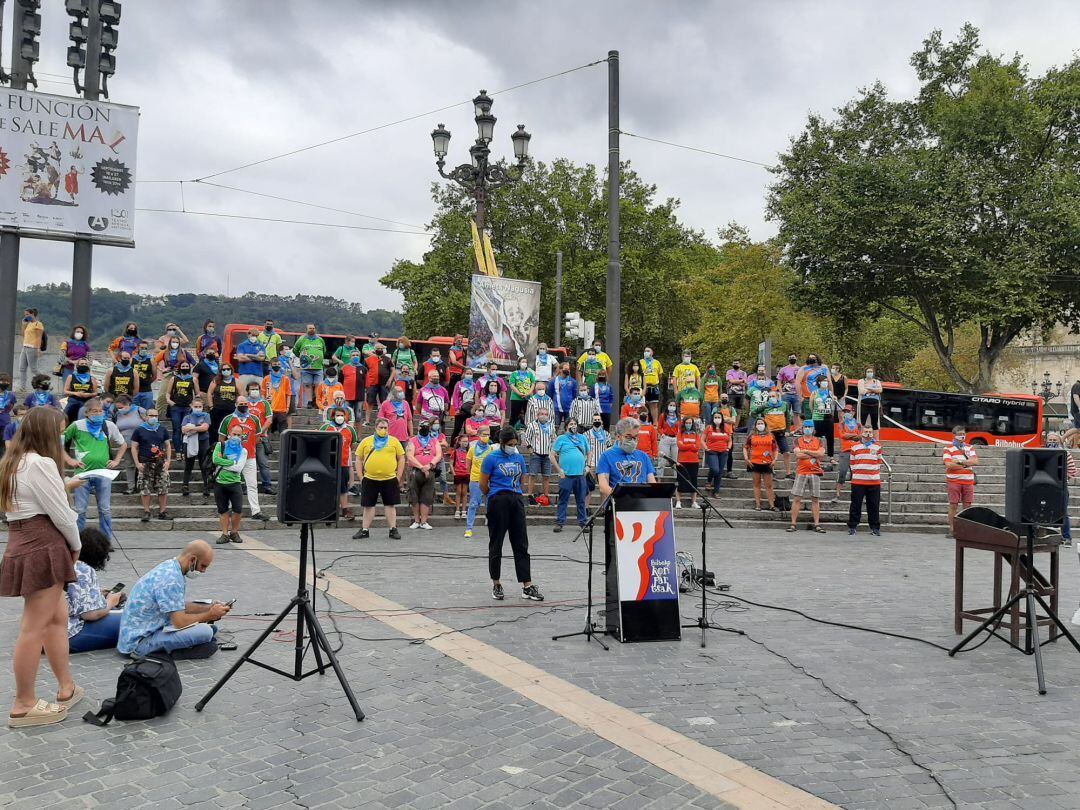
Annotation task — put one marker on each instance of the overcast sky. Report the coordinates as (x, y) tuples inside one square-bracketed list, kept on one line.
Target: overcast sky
[(224, 84)]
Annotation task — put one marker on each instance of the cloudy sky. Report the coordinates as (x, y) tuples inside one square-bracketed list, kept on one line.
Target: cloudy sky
[(222, 84)]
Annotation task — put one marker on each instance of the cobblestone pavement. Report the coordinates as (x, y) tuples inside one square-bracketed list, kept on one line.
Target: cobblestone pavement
[(857, 719)]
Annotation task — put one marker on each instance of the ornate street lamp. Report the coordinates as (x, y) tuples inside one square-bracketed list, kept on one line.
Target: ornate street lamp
[(480, 175), (1045, 389)]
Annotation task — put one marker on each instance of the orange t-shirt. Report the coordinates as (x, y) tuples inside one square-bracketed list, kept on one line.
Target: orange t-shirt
[(808, 466), (278, 399), (689, 447), (717, 441), (647, 441), (324, 394), (763, 448)]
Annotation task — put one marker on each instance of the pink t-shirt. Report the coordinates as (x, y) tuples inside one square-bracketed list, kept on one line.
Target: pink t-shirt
[(785, 378), (399, 425), (420, 453)]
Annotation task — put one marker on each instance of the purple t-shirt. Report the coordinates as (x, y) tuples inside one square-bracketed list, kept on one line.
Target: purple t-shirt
[(785, 378), (736, 380)]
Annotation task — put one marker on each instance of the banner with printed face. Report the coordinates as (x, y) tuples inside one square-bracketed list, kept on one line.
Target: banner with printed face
[(645, 545), (67, 167), (504, 320)]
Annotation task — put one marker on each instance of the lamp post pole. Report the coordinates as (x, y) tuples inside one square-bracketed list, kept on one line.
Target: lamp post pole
[(558, 299), (9, 240), (614, 269), (83, 255)]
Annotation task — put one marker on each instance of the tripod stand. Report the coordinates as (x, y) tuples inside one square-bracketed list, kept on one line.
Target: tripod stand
[(590, 628), (706, 506), (1029, 594), (306, 620)]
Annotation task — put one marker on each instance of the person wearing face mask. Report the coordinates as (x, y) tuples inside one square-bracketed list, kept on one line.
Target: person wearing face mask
[(870, 401), (338, 420), (398, 414), (74, 349), (1053, 441), (271, 340), (250, 355), (208, 341), (652, 372), (352, 382), (12, 427), (546, 366), (809, 454), (569, 456), (710, 392), (850, 434), (455, 362), (42, 397), (589, 368), (540, 401), (602, 357), (689, 461), (681, 372), (142, 363), (584, 408), (252, 428), (7, 407), (329, 388), (403, 355), (789, 392), (648, 437), (277, 393), (479, 447), (521, 383), (432, 399), (158, 615), (172, 331), (624, 463), (422, 456), (717, 444), (167, 361), (128, 341), (500, 480), (152, 451), (380, 466), (776, 413), (599, 442), (460, 464), (342, 354), (604, 395), (759, 452), (229, 458), (223, 391), (378, 381), (633, 404), (807, 380), (196, 436), (259, 408), (492, 402), (310, 349), (959, 458), (689, 400), (735, 380), (121, 379), (129, 416), (540, 436), (436, 363), (865, 482), (563, 393), (822, 407), (839, 383), (634, 378), (463, 400), (207, 368), (79, 388), (93, 444), (476, 422), (33, 332), (180, 392)]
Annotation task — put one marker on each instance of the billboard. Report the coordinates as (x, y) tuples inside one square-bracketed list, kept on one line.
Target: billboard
[(504, 319), (67, 167)]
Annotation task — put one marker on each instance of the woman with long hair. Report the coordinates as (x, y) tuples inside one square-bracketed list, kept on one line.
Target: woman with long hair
[(39, 562), (74, 349), (689, 443)]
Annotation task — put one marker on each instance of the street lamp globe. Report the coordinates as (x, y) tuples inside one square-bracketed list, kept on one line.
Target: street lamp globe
[(482, 104), (475, 153), (521, 143), (440, 137), (485, 127)]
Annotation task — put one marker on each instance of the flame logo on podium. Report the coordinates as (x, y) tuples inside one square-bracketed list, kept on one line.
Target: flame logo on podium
[(639, 534)]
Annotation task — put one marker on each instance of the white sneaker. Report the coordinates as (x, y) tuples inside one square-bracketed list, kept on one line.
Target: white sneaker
[(1076, 616), (678, 504), (425, 526), (414, 525)]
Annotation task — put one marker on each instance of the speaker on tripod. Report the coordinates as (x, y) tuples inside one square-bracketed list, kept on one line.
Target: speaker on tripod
[(1035, 486), (308, 471)]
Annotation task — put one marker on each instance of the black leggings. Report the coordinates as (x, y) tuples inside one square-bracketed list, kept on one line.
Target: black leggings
[(506, 514), (823, 429), (203, 460), (517, 410)]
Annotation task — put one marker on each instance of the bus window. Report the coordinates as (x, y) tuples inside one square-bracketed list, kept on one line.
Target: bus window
[(899, 406), (1023, 422), (980, 418)]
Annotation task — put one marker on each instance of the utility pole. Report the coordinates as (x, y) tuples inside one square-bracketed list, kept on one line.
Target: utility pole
[(9, 240), (83, 257), (558, 300), (614, 269)]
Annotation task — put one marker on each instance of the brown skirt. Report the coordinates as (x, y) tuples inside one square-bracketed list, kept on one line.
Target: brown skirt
[(37, 557)]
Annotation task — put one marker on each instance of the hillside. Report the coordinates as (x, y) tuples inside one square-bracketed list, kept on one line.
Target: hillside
[(111, 309)]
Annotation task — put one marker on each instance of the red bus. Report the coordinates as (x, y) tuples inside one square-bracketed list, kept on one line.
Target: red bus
[(911, 415)]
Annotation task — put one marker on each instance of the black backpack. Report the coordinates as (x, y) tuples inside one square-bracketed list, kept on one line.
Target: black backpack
[(147, 687)]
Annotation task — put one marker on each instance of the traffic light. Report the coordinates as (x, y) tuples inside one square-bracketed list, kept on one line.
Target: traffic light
[(109, 13), (575, 325), (29, 31), (77, 33)]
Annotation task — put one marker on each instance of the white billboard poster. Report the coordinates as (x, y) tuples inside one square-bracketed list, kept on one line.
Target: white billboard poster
[(504, 319), (67, 167)]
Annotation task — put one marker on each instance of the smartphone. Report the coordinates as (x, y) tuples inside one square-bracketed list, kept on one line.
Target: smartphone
[(119, 586), (227, 645), (231, 602)]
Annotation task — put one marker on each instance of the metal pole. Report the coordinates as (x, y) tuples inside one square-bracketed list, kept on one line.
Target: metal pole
[(558, 300), (83, 257), (614, 272), (9, 240)]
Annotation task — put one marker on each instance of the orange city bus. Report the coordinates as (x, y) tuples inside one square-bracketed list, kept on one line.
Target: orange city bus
[(910, 415)]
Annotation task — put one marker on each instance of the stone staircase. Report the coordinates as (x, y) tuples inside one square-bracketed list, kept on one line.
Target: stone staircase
[(919, 502)]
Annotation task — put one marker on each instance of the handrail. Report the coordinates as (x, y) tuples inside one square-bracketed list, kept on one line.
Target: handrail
[(888, 483)]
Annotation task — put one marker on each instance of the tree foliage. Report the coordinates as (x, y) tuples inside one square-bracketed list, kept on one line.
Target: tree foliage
[(956, 207)]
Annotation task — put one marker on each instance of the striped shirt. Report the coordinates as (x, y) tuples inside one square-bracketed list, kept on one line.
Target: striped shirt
[(583, 411), (540, 437), (957, 454), (536, 403), (866, 465), (1071, 462), (599, 442)]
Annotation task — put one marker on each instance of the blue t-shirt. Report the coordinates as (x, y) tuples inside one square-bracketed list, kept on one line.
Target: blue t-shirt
[(9, 430), (571, 449), (151, 442), (252, 347), (198, 419), (504, 471), (83, 596), (625, 468), (155, 597)]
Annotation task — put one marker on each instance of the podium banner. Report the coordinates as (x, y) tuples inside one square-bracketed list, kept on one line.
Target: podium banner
[(645, 547)]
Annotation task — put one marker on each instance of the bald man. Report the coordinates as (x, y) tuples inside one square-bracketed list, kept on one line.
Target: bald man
[(158, 616)]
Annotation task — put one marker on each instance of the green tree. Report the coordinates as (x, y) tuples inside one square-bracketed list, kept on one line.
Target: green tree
[(956, 207), (556, 207)]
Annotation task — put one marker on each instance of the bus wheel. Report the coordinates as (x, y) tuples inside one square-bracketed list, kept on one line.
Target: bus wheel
[(978, 442)]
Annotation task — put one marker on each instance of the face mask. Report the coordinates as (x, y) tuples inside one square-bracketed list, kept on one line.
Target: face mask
[(723, 400), (523, 366), (437, 359), (671, 408), (209, 330), (959, 441), (197, 410), (185, 370), (379, 352), (192, 573), (96, 421), (773, 403), (276, 369), (152, 421), (424, 430), (339, 419), (132, 332), (242, 409), (541, 392), (597, 347), (597, 425), (583, 394), (331, 377), (628, 445), (648, 354), (823, 385), (380, 432), (27, 319), (226, 373), (542, 352), (399, 394), (868, 439), (793, 359), (174, 345), (735, 365), (869, 375), (512, 451), (401, 345), (4, 386), (686, 358), (355, 360), (717, 422), (78, 335), (601, 379), (82, 369), (254, 396), (811, 361), (43, 387), (566, 372)]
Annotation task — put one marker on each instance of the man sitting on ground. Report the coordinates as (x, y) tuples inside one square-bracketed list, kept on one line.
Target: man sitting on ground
[(158, 616)]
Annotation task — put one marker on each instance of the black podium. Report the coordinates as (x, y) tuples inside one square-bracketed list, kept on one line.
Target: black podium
[(639, 552)]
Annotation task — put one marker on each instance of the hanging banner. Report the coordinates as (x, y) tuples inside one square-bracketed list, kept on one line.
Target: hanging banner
[(67, 167), (478, 248), (504, 320)]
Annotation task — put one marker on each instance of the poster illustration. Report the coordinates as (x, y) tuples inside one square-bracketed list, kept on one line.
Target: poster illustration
[(67, 167), (645, 544), (504, 319)]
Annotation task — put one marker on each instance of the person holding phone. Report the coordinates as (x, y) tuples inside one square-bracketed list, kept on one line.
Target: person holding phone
[(92, 624)]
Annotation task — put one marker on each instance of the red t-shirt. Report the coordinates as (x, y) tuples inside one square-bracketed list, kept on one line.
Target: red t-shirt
[(372, 363), (809, 466), (350, 381), (647, 441), (689, 447), (717, 441)]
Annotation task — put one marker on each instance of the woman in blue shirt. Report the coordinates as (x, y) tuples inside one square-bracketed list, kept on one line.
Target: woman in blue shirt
[(500, 481)]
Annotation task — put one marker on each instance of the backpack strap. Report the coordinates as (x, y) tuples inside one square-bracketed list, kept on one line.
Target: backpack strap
[(104, 715)]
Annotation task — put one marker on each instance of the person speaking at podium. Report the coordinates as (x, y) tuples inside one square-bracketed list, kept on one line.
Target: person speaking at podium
[(624, 463)]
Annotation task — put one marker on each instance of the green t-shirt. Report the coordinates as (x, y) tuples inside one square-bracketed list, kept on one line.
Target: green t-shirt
[(314, 348), (92, 451), (224, 476), (271, 342), (521, 384), (590, 369), (689, 394), (405, 357), (821, 404), (344, 353)]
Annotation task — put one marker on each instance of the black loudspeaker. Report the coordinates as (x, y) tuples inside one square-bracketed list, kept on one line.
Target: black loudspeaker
[(1035, 487), (308, 476)]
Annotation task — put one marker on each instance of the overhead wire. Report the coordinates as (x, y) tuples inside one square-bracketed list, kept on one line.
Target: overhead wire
[(694, 149), (285, 221)]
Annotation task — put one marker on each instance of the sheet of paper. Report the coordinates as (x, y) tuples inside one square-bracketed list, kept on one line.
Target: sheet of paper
[(106, 473)]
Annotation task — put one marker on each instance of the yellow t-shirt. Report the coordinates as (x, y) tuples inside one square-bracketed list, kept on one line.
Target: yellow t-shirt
[(380, 465), (653, 375), (603, 357), (680, 372), (476, 461), (32, 334)]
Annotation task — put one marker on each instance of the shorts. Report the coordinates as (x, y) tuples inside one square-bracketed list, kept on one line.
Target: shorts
[(421, 488), (872, 412), (373, 395), (961, 493), (310, 377), (781, 441), (343, 480), (539, 465), (461, 479), (804, 483), (371, 490), (153, 480), (652, 393), (279, 422), (761, 469), (737, 400), (229, 498)]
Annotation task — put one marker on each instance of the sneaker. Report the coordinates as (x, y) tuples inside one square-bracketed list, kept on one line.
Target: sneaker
[(236, 538), (265, 518), (497, 592), (347, 514), (532, 500), (363, 534), (268, 491), (852, 531), (468, 532), (876, 532), (223, 540), (558, 528), (425, 525), (184, 492), (395, 534), (678, 504), (164, 516), (532, 593), (414, 525), (145, 517)]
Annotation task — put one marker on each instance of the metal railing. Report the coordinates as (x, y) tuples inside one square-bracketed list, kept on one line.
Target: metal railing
[(888, 484)]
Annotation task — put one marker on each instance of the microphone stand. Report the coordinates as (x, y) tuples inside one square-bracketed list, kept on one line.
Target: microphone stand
[(590, 629), (706, 506)]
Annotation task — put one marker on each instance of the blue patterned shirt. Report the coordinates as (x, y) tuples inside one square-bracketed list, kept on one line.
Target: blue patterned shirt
[(83, 596), (155, 597)]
